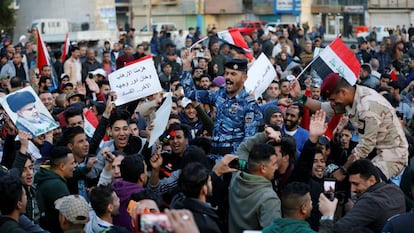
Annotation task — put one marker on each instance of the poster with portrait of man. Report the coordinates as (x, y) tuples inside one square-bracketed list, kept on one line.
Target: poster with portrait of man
[(27, 112)]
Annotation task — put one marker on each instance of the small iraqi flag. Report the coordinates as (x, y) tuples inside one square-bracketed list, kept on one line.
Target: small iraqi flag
[(233, 37), (66, 45), (337, 58)]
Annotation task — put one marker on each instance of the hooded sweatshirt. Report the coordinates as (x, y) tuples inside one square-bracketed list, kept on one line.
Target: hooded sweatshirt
[(50, 187), (124, 189), (253, 203), (288, 225)]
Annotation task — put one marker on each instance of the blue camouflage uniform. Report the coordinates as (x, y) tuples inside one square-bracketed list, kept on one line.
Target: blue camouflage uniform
[(237, 118)]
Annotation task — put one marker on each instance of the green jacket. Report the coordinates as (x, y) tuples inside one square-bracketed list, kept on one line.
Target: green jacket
[(289, 225), (50, 187), (253, 203)]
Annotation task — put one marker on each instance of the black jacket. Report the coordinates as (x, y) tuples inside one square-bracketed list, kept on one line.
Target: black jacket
[(205, 216)]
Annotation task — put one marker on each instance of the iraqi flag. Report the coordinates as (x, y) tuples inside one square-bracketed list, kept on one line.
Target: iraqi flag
[(233, 37), (43, 57), (337, 58), (66, 45)]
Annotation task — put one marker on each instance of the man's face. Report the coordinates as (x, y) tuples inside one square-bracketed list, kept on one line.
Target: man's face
[(308, 205), (91, 55), (234, 81), (276, 119), (346, 136), (105, 89), (205, 83), (215, 48), (27, 174), (47, 71), (106, 57), (23, 201), (384, 82), (29, 112), (115, 204), (82, 51), (128, 51), (167, 69), (47, 100), (140, 49), (116, 47), (76, 121), (134, 129), (76, 54), (279, 156), (178, 142), (69, 166), (202, 63), (359, 185), (284, 88), (292, 118), (79, 145), (338, 98), (273, 90), (17, 58), (120, 133), (319, 166), (190, 112), (174, 108), (316, 93), (271, 167), (74, 99), (116, 167), (197, 73)]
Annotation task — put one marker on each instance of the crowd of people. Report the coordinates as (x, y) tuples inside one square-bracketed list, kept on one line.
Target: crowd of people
[(311, 154)]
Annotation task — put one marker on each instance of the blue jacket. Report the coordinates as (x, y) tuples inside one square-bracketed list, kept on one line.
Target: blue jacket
[(237, 117)]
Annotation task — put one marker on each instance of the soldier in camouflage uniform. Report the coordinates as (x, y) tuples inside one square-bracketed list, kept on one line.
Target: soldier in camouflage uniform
[(381, 136), (238, 114)]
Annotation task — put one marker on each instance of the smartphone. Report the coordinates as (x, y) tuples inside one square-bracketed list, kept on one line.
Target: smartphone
[(329, 188), (90, 75), (238, 164), (36, 71), (200, 54), (153, 222)]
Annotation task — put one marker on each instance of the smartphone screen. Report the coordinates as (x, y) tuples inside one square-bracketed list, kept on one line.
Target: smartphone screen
[(154, 222), (329, 189)]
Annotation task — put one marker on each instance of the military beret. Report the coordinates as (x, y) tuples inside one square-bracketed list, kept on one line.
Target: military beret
[(237, 64), (329, 83), (19, 100)]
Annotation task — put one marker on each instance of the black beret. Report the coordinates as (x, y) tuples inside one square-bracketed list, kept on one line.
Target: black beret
[(237, 64), (19, 100)]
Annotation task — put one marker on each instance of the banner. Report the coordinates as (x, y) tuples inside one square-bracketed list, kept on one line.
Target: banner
[(135, 81), (259, 76)]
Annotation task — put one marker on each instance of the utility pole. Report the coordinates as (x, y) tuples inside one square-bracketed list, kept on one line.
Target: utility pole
[(148, 16)]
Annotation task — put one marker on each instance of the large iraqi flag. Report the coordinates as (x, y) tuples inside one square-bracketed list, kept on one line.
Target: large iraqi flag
[(338, 58), (234, 37)]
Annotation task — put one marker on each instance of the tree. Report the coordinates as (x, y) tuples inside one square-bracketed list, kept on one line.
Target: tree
[(7, 16)]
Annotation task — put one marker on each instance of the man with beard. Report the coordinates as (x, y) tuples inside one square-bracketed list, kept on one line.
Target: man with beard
[(105, 203), (238, 113), (23, 103), (195, 183), (292, 119), (284, 86)]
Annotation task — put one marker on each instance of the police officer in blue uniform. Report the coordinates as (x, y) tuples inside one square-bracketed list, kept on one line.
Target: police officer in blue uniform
[(238, 114)]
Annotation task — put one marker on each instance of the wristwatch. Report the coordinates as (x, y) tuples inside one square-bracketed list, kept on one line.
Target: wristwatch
[(327, 218)]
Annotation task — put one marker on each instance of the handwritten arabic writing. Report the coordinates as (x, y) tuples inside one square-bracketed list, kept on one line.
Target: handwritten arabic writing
[(136, 89), (129, 73)]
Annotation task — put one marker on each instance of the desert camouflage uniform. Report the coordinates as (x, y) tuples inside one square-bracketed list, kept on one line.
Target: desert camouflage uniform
[(378, 128)]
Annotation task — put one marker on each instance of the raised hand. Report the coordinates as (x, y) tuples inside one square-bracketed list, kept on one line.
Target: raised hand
[(317, 126)]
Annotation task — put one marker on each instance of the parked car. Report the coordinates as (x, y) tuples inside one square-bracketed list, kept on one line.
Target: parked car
[(247, 27)]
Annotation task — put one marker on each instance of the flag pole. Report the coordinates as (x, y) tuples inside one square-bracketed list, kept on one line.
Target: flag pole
[(314, 59)]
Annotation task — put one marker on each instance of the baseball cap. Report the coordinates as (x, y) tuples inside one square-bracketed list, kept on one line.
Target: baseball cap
[(73, 94), (74, 208), (100, 71), (185, 102), (62, 76)]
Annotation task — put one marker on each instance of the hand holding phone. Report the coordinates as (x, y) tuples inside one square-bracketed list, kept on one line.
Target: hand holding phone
[(153, 222)]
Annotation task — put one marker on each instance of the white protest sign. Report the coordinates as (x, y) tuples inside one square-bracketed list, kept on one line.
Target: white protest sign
[(259, 76), (135, 81), (161, 119)]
